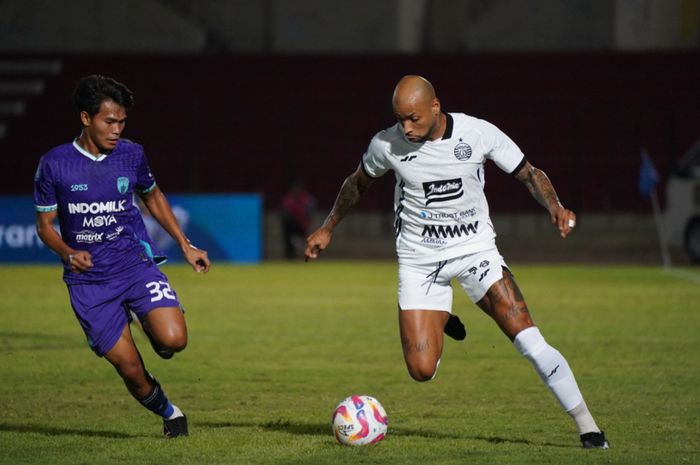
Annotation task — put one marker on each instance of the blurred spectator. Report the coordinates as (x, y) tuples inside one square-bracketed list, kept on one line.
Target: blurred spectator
[(297, 209)]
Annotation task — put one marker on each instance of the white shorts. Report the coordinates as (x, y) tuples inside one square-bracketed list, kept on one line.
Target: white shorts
[(428, 286)]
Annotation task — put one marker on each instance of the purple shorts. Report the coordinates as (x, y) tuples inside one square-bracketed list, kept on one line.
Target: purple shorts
[(102, 308)]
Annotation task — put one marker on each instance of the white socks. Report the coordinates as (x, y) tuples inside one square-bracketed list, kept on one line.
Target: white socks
[(556, 374)]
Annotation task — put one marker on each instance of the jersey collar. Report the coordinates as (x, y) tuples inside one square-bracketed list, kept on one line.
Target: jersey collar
[(84, 152), (448, 127)]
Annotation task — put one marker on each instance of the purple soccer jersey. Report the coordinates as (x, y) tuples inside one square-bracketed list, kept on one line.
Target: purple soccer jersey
[(94, 200)]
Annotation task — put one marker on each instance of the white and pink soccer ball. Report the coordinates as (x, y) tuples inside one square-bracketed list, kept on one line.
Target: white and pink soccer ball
[(359, 420)]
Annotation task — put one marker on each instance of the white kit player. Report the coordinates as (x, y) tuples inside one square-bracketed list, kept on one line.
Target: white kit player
[(443, 231)]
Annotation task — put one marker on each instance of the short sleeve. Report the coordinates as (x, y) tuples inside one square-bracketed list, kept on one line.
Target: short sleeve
[(374, 161), (144, 178), (501, 149), (44, 188)]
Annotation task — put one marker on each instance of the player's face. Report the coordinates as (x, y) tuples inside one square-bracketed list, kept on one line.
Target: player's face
[(418, 119), (104, 128)]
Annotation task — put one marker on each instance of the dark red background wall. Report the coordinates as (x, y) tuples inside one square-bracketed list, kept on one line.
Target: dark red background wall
[(248, 123)]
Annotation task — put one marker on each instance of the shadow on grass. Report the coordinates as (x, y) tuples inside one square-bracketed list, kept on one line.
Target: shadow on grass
[(491, 439), (51, 431), (499, 440), (323, 429), (277, 425)]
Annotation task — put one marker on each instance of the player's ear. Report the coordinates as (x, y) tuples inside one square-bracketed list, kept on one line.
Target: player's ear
[(436, 106), (85, 118)]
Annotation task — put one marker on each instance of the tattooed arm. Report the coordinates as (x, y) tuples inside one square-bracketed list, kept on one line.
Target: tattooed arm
[(350, 194), (543, 191)]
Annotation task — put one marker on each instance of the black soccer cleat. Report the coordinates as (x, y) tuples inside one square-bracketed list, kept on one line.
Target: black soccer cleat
[(594, 440), (175, 427), (455, 329)]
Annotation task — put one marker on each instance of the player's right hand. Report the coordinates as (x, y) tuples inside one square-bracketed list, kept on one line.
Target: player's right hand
[(79, 261), (316, 243), (564, 220), (197, 258)]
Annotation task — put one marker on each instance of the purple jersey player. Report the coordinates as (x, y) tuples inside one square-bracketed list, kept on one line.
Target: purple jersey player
[(109, 267)]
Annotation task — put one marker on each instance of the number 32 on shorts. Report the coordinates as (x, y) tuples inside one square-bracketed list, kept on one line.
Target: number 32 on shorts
[(160, 290)]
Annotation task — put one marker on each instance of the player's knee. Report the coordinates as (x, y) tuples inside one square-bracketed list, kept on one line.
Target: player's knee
[(179, 345), (421, 376), (175, 341), (423, 371)]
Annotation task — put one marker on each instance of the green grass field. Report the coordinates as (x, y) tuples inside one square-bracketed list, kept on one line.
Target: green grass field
[(273, 348)]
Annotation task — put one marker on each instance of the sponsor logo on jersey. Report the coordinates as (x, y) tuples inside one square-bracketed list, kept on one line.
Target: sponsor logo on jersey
[(433, 241), (456, 230), (112, 206), (408, 158), (99, 221), (113, 235), (457, 216), (463, 151), (122, 184), (442, 191), (88, 237)]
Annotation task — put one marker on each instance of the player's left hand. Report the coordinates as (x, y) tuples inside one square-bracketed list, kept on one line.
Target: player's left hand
[(564, 220), (197, 258)]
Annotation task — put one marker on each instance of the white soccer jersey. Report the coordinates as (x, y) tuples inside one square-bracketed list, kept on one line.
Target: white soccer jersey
[(441, 210)]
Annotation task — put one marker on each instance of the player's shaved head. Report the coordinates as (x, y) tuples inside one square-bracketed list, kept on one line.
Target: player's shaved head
[(413, 89), (417, 109)]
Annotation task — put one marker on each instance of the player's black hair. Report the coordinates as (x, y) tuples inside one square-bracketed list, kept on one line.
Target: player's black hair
[(90, 91)]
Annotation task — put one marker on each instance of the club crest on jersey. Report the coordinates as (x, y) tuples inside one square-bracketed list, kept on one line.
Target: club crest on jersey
[(463, 151), (122, 184)]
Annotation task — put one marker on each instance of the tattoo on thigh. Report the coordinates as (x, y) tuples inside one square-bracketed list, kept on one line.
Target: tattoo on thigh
[(504, 293), (499, 292), (514, 295), (513, 286), (420, 346), (514, 311)]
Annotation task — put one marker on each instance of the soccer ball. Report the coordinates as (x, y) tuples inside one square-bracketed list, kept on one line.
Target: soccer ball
[(359, 420)]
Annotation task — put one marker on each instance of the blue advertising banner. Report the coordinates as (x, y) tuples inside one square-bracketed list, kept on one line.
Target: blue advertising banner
[(227, 226), (18, 239)]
